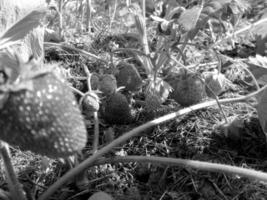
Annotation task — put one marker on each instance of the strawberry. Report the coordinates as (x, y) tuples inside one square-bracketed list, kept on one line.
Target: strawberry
[(128, 77), (44, 118), (188, 88), (94, 81), (107, 84), (116, 109), (90, 102)]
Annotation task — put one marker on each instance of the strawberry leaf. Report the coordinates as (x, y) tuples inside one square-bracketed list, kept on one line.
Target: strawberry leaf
[(261, 44), (189, 18), (22, 28), (158, 89), (258, 67), (261, 28)]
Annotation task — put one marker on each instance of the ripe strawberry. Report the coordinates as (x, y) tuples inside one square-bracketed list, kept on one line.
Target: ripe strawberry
[(107, 84), (90, 102), (128, 77), (188, 88), (116, 109), (44, 119)]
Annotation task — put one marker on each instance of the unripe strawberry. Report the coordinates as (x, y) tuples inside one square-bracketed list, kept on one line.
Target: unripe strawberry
[(128, 77), (116, 109), (90, 102), (107, 84), (94, 81), (188, 88), (44, 118)]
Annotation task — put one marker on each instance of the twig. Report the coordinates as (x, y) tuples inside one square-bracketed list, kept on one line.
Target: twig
[(131, 50), (85, 53), (73, 172)]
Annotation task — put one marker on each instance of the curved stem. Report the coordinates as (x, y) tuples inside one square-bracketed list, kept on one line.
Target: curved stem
[(252, 76), (73, 172), (13, 183), (200, 165)]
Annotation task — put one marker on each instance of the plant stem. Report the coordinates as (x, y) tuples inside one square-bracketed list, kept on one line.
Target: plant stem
[(199, 165), (13, 183), (240, 31), (113, 15), (60, 14), (96, 132), (73, 172), (251, 75), (96, 121), (76, 90), (88, 15)]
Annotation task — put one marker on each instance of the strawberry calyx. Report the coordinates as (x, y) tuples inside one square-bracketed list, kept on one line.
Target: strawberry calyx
[(20, 84), (90, 102)]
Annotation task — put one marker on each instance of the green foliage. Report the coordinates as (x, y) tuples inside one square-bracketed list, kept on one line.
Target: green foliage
[(22, 28)]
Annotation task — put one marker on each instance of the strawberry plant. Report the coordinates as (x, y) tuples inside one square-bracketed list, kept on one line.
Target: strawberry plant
[(190, 59)]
